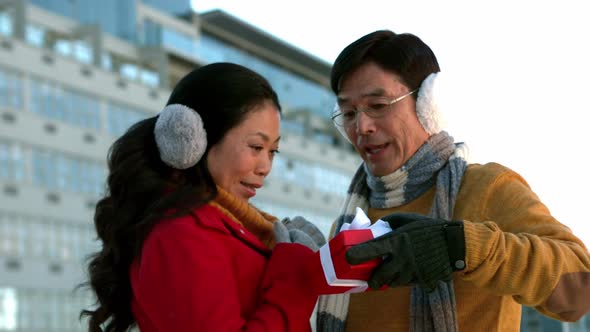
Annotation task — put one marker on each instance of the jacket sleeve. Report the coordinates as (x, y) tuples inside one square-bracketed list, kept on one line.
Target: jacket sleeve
[(524, 252), (186, 282)]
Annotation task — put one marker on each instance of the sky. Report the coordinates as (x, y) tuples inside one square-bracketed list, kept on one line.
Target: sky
[(515, 76)]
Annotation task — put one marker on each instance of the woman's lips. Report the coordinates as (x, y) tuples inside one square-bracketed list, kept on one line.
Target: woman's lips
[(250, 188)]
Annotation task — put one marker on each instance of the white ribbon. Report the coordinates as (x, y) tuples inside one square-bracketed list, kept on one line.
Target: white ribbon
[(360, 221)]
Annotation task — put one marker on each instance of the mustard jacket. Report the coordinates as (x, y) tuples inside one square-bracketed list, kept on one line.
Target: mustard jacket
[(516, 253)]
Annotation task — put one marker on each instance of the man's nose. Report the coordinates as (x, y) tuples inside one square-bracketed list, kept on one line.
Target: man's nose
[(364, 124)]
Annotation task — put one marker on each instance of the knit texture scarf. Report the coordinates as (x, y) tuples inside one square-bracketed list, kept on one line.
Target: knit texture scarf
[(438, 162), (255, 221)]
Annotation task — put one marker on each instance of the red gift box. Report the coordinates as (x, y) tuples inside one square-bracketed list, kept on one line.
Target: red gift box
[(336, 269)]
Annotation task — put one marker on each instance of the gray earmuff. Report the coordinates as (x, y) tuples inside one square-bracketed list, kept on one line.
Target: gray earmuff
[(180, 136)]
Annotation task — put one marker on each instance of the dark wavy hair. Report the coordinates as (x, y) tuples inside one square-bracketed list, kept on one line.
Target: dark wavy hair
[(403, 54), (141, 188)]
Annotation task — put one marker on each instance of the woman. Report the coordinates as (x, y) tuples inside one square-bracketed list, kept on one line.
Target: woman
[(182, 248)]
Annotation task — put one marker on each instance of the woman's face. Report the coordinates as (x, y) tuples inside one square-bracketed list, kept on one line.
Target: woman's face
[(243, 158)]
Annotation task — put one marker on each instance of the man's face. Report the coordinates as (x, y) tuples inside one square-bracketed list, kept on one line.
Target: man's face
[(387, 142)]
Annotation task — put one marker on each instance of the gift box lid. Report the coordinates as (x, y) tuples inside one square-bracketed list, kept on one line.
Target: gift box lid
[(336, 269), (347, 239)]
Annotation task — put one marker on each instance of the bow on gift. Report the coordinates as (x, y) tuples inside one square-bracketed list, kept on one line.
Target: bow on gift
[(360, 222)]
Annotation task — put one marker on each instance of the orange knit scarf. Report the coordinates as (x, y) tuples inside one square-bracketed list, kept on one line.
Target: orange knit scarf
[(255, 221)]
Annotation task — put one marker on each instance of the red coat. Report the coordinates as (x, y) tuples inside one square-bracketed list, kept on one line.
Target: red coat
[(205, 272)]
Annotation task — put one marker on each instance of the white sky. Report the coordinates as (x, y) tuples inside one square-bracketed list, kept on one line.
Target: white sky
[(517, 76)]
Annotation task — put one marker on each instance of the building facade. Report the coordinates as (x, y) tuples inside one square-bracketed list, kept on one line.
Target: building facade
[(74, 75)]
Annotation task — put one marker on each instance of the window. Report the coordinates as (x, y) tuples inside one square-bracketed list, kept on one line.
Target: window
[(120, 118), (13, 162), (295, 92), (106, 61), (5, 24), (156, 34), (41, 309), (45, 238), (82, 51), (10, 89), (8, 309), (149, 78), (129, 71), (58, 103), (58, 171), (321, 221), (310, 175), (35, 35)]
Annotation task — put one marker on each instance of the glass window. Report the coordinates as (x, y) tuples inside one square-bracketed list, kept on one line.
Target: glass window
[(129, 71), (58, 103), (9, 308), (10, 89), (295, 92), (41, 309), (24, 310), (321, 221), (52, 240), (54, 170), (310, 175), (40, 302), (323, 138), (35, 35), (79, 50), (7, 240), (120, 118), (179, 41), (149, 77), (13, 162), (23, 236), (39, 237), (63, 171), (63, 47), (330, 180), (40, 97), (43, 169), (106, 61), (82, 51), (99, 175), (55, 300), (5, 23), (154, 34), (293, 127)]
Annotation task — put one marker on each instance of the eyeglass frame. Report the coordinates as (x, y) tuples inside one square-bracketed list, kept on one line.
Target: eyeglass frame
[(356, 110)]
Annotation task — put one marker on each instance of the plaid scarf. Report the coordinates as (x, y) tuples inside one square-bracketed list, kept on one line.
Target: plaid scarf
[(438, 162)]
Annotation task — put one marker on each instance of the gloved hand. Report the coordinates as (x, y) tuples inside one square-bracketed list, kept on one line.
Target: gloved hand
[(420, 250), (284, 234), (307, 227)]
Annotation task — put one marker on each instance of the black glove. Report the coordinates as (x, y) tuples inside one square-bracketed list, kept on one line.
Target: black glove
[(420, 250)]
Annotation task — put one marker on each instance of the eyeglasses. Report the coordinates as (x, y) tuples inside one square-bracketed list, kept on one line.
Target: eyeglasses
[(375, 107)]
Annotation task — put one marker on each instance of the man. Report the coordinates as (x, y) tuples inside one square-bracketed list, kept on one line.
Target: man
[(471, 243)]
